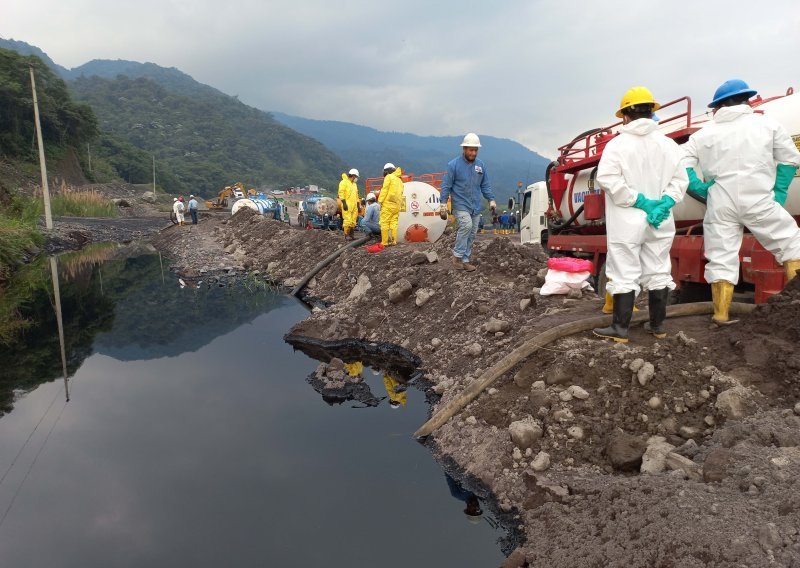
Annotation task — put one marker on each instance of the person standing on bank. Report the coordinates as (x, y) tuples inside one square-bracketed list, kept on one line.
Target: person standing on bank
[(178, 208), (748, 161), (193, 209), (465, 182), (641, 174), (391, 201), (348, 202)]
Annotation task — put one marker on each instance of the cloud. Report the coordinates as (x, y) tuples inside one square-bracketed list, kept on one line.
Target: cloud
[(536, 71)]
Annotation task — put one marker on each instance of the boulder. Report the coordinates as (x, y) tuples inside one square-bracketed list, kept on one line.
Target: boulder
[(399, 291), (362, 286), (625, 451), (418, 257), (654, 459), (474, 350), (423, 295), (733, 403), (525, 433), (149, 197), (432, 256), (541, 462), (494, 325)]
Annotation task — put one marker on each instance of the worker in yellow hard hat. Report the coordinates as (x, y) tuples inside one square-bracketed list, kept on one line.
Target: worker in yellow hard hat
[(641, 175), (348, 203), (390, 200)]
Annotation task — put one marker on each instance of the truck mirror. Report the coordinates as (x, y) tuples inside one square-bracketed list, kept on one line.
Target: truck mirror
[(511, 203)]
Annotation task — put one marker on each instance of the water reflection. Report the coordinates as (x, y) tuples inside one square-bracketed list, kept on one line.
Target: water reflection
[(59, 321)]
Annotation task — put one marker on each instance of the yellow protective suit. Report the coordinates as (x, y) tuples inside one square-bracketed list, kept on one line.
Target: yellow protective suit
[(390, 384), (354, 369), (348, 193), (391, 198)]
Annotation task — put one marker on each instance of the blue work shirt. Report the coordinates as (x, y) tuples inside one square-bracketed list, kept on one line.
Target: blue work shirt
[(465, 183), (372, 216)]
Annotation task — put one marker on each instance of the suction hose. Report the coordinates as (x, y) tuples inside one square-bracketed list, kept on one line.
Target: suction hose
[(325, 262), (532, 345)]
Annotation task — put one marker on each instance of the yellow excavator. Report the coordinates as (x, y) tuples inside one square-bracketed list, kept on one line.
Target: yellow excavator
[(230, 194)]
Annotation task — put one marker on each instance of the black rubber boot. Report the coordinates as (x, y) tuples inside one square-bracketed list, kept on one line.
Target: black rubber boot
[(621, 318), (657, 304)]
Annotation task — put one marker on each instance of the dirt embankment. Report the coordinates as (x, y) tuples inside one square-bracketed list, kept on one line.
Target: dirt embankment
[(674, 453)]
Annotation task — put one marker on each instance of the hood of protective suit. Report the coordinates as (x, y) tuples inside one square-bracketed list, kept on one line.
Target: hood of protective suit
[(397, 173), (345, 177), (727, 114), (639, 127)]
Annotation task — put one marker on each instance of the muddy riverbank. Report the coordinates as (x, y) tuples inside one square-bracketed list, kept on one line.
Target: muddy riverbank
[(680, 452)]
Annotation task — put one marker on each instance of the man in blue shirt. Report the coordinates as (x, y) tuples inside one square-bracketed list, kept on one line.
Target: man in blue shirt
[(465, 182), (373, 215), (193, 209)]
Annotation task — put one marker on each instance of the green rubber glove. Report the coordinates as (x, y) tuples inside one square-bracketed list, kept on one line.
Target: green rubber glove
[(661, 212), (645, 204), (783, 178), (697, 187)]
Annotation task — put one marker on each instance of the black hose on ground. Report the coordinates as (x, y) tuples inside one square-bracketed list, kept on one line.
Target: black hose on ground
[(325, 262)]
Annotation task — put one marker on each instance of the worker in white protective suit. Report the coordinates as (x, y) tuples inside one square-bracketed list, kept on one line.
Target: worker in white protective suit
[(748, 161), (641, 174)]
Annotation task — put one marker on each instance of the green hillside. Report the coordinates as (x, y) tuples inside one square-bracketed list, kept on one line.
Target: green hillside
[(208, 140)]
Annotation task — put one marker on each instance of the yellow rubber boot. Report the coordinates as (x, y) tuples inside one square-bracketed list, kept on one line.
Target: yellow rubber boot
[(791, 267), (608, 307), (722, 296), (394, 235), (384, 236)]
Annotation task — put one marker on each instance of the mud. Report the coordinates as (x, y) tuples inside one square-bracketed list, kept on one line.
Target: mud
[(707, 412)]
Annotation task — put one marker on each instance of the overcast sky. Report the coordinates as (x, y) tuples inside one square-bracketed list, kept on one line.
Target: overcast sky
[(537, 71)]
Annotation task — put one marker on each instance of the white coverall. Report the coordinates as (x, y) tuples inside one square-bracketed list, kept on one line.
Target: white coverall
[(639, 160), (179, 208), (740, 151)]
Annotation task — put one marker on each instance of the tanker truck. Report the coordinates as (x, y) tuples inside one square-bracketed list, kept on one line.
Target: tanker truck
[(565, 213)]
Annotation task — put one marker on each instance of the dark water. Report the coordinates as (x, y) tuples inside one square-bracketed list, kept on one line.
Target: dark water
[(191, 438)]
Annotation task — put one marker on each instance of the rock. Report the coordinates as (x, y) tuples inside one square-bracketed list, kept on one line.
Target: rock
[(539, 399), (231, 248), (360, 289), (565, 395), (575, 432), (732, 403), (439, 388), (121, 202), (492, 391), (541, 462), (423, 295), (797, 408), (272, 266), (436, 342), (541, 490), (149, 197), (471, 420), (291, 282), (578, 392), (636, 364), (655, 456), (399, 291), (516, 454), (574, 294), (677, 462), (432, 256), (474, 350), (418, 257), (538, 385), (525, 433), (769, 537), (625, 451), (654, 402), (524, 304), (645, 374), (687, 432), (335, 364), (715, 468), (685, 339), (563, 415), (483, 309), (494, 325)]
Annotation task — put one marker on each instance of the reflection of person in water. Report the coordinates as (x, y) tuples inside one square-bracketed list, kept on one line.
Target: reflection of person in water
[(396, 391), (354, 370), (473, 510)]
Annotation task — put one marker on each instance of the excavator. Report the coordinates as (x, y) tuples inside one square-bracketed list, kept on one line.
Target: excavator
[(230, 194)]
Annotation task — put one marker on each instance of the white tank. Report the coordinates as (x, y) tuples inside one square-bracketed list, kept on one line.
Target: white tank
[(261, 205), (785, 110), (419, 219)]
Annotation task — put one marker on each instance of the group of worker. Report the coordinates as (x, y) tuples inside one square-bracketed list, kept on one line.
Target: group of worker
[(746, 161), (381, 213), (179, 209)]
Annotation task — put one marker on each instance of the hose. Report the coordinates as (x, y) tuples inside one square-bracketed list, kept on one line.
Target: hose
[(325, 262), (532, 345)]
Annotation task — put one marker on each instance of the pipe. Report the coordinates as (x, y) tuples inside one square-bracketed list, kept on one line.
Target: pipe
[(531, 345), (325, 262), (554, 228)]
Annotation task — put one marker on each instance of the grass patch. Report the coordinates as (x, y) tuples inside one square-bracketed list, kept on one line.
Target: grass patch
[(79, 203), (18, 234)]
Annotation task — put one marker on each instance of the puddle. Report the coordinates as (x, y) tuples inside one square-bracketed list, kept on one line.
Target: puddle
[(192, 437)]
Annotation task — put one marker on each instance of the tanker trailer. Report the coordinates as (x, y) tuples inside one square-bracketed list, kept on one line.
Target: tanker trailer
[(566, 212), (261, 204)]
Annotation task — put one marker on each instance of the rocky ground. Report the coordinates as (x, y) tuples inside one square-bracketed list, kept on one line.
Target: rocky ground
[(673, 453)]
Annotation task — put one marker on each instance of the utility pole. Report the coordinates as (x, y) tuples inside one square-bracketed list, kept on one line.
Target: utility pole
[(154, 175), (48, 216), (89, 154)]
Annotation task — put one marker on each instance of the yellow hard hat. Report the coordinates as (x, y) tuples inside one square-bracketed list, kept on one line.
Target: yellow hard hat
[(637, 96)]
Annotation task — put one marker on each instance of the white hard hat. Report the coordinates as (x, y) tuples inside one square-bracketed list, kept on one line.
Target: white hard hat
[(353, 172), (389, 166), (371, 195), (174, 199), (471, 140)]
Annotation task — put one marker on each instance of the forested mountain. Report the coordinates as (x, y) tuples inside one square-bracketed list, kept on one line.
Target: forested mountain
[(368, 149)]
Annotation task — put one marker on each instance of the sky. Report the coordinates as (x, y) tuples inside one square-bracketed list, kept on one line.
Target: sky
[(538, 71)]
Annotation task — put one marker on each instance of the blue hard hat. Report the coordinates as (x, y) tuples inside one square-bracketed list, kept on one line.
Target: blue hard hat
[(730, 89)]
